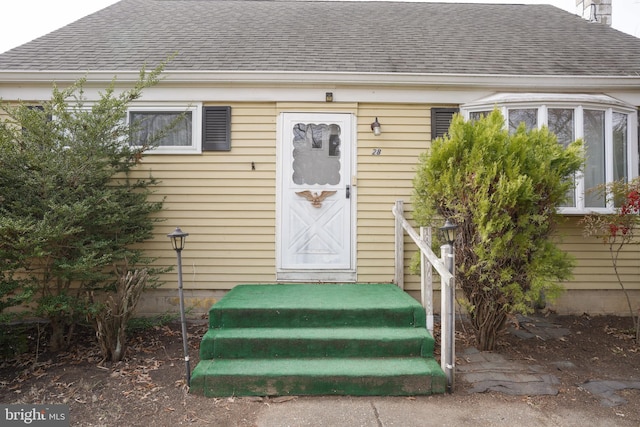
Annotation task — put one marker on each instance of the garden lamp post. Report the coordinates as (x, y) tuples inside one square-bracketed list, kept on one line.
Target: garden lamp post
[(448, 231), (178, 238)]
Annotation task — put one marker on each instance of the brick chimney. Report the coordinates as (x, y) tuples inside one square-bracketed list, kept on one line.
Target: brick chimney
[(595, 10)]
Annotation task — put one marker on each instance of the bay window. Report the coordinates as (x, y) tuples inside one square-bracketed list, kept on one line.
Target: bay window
[(608, 128)]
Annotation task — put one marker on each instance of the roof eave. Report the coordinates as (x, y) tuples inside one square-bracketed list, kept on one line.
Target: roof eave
[(489, 81)]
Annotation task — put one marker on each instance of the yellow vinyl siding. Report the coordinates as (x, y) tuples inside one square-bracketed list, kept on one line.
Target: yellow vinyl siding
[(594, 268), (230, 209), (227, 207), (385, 178), (314, 107)]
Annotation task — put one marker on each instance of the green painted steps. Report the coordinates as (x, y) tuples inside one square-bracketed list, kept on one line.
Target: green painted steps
[(321, 305), (315, 342), (314, 339), (343, 376)]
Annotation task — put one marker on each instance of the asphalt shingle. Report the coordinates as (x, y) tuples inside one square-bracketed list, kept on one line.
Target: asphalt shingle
[(361, 37)]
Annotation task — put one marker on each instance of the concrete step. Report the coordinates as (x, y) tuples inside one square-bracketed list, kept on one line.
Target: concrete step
[(251, 343), (319, 376)]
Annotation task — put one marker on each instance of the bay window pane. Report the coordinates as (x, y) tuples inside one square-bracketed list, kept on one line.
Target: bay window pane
[(594, 174), (562, 124), (528, 116), (477, 115), (620, 146)]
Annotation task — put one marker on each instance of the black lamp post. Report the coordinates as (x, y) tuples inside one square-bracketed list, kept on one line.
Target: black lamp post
[(448, 231), (178, 238)]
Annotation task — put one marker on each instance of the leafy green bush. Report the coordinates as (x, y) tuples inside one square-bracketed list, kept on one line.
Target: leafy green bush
[(502, 190), (15, 289), (14, 339), (70, 208)]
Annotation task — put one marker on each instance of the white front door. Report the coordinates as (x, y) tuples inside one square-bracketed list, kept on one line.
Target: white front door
[(315, 230)]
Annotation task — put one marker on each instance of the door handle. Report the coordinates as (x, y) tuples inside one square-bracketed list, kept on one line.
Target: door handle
[(348, 191)]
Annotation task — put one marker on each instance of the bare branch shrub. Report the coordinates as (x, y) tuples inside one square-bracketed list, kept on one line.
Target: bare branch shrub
[(111, 317)]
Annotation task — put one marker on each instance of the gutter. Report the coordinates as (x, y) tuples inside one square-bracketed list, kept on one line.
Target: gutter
[(277, 78)]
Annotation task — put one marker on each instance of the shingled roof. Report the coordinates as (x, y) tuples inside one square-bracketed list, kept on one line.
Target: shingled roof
[(319, 36)]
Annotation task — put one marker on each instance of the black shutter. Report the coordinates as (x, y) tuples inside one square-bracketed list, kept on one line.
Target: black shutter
[(441, 120), (216, 128)]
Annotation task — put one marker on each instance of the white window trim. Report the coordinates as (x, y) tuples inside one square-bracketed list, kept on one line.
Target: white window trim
[(196, 125), (577, 102)]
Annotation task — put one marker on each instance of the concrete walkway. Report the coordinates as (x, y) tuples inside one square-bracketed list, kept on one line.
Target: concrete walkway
[(484, 411)]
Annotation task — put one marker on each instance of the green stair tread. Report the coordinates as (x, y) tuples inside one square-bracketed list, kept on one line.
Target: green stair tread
[(316, 342), (380, 333), (316, 305), (318, 367), (356, 377), (317, 296)]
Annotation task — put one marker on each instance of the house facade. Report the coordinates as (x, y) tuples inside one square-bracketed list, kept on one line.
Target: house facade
[(277, 174)]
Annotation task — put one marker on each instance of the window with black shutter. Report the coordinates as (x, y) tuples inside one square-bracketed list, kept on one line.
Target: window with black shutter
[(168, 128), (216, 128), (441, 120)]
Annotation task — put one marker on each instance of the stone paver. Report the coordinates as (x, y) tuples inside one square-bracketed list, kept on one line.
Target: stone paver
[(487, 371), (538, 327), (606, 390)]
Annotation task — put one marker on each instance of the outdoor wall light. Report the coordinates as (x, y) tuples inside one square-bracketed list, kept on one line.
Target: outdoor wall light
[(593, 16), (448, 231), (178, 238), (375, 127)]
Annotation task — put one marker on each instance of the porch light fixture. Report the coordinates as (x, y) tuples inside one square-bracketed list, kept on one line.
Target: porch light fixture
[(375, 127), (593, 16), (448, 231), (178, 238)]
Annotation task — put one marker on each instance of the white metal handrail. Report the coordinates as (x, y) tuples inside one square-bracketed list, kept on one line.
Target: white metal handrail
[(444, 265)]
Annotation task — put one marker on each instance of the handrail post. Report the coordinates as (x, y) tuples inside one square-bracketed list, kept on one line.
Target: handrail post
[(445, 266), (447, 314), (399, 245), (426, 279)]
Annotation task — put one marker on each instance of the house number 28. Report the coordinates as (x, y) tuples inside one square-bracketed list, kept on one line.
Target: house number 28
[(376, 151)]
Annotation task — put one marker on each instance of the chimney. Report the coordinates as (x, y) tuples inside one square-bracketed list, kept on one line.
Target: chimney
[(595, 10)]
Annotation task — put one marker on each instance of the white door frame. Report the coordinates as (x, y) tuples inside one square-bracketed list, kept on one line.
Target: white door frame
[(313, 275)]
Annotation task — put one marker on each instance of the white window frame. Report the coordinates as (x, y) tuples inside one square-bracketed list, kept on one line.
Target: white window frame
[(578, 103), (196, 125)]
